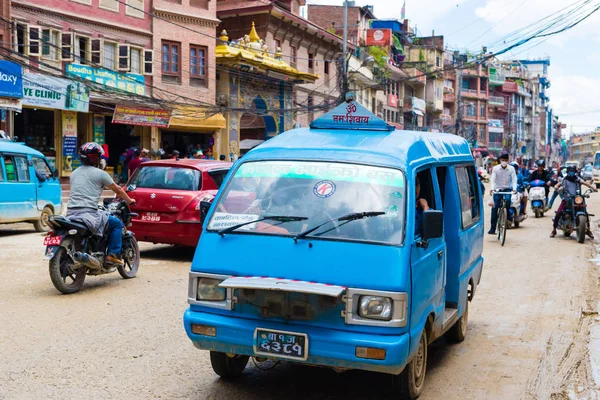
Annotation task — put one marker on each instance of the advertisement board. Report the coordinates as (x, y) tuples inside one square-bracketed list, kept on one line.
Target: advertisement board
[(11, 79), (132, 83), (142, 116), (379, 37), (46, 91)]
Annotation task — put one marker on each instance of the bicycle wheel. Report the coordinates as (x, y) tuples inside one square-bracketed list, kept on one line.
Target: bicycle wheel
[(502, 221)]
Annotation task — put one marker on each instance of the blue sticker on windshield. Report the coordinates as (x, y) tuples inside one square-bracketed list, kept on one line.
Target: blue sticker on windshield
[(397, 195), (324, 189)]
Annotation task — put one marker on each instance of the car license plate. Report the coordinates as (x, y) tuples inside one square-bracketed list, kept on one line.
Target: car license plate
[(281, 344), (52, 240), (50, 252), (151, 217)]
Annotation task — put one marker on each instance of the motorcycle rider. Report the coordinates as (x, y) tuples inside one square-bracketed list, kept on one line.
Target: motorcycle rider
[(521, 182), (544, 175), (572, 183), (503, 179), (87, 184)]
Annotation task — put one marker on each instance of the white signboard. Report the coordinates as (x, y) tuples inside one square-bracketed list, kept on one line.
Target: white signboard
[(224, 220), (55, 93)]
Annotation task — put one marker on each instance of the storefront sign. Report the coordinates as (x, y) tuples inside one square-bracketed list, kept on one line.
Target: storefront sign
[(392, 100), (350, 115), (11, 79), (379, 37), (99, 129), (11, 104), (132, 83), (69, 133), (141, 116), (55, 93), (418, 104)]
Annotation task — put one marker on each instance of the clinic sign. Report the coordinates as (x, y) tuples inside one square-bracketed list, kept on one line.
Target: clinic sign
[(11, 79), (131, 83), (55, 93)]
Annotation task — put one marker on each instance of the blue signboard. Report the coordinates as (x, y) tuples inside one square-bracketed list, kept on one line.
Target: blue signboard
[(11, 79), (132, 83), (350, 115)]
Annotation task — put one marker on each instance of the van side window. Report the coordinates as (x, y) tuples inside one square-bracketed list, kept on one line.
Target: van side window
[(17, 169), (41, 166), (1, 170), (424, 191), (469, 202)]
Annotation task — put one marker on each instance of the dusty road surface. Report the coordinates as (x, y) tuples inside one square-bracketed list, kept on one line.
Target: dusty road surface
[(527, 338)]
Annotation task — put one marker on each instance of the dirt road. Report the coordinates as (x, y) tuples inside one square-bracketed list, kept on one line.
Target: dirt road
[(527, 338)]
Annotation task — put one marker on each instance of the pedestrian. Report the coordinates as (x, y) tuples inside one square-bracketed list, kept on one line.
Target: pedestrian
[(145, 155), (135, 162), (222, 157), (198, 155), (165, 151), (504, 179), (209, 154), (175, 155)]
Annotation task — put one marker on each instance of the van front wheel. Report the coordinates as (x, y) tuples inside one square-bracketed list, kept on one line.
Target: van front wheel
[(41, 225), (227, 366), (411, 381)]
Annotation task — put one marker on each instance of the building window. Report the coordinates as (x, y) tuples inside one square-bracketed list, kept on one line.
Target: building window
[(482, 110), (112, 5), (171, 61), (326, 67), (135, 8), (198, 3), (20, 38), (82, 50), (311, 61), (110, 51), (294, 56), (136, 59), (50, 40), (277, 44), (198, 65), (438, 60)]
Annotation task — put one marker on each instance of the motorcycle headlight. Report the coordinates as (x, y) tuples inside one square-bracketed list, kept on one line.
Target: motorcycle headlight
[(209, 290), (375, 307), (578, 200)]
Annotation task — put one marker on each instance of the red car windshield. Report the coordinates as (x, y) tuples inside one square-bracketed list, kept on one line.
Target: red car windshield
[(173, 178)]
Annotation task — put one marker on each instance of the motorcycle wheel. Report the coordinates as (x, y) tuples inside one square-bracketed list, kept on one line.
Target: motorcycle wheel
[(581, 228), (567, 233), (537, 213), (131, 259), (64, 278)]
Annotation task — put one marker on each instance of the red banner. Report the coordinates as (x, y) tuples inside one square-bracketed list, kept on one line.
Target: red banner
[(392, 100), (379, 37), (141, 116)]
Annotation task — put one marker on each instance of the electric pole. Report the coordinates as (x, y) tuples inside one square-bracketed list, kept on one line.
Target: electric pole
[(458, 99), (344, 50)]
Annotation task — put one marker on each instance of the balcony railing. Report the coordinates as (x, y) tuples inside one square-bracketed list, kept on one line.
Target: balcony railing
[(449, 98), (418, 75), (449, 75), (448, 89), (469, 92), (496, 101), (510, 87), (497, 79), (495, 145)]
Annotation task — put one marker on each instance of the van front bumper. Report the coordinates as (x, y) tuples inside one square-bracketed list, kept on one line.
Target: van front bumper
[(326, 347)]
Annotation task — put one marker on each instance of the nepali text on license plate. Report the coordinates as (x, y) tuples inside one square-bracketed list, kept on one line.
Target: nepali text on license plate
[(151, 217), (52, 240), (281, 344)]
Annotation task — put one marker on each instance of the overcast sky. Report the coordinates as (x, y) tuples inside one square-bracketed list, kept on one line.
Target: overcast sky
[(574, 54)]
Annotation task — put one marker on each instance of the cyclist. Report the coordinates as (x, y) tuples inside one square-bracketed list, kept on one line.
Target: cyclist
[(504, 179)]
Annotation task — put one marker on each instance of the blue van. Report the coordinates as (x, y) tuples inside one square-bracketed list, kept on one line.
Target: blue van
[(29, 187), (356, 246)]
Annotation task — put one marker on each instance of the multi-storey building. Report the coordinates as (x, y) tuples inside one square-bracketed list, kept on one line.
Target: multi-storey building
[(473, 92), (448, 117)]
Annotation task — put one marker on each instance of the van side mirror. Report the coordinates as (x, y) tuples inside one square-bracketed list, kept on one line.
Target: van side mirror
[(432, 224), (55, 173), (204, 207)]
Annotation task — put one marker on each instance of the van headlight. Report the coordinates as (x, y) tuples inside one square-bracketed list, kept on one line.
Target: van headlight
[(375, 307), (208, 290)]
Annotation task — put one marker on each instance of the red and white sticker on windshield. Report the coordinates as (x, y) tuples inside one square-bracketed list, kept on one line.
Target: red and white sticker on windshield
[(324, 189)]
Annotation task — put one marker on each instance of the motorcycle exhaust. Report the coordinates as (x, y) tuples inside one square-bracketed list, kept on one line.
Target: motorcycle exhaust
[(87, 260)]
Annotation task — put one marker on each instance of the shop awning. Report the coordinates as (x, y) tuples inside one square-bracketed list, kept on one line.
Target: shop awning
[(191, 119)]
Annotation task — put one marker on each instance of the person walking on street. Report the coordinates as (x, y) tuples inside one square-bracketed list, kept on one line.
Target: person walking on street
[(135, 161), (504, 179)]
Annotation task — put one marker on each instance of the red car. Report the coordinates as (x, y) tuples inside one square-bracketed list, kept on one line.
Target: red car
[(168, 195)]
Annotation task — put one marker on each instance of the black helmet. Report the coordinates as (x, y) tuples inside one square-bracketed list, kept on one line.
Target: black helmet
[(503, 156), (541, 163), (571, 168), (91, 153)]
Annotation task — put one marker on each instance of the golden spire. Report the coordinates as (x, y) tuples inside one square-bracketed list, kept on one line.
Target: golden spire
[(254, 38)]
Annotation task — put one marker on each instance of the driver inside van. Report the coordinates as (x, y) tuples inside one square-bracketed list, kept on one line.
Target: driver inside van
[(421, 205)]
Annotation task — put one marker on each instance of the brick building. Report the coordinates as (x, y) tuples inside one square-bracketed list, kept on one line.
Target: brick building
[(184, 47)]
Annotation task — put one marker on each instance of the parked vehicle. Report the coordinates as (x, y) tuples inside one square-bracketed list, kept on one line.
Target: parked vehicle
[(340, 268), (168, 195), (587, 173), (596, 171), (575, 216), (537, 197), (73, 252), (29, 187)]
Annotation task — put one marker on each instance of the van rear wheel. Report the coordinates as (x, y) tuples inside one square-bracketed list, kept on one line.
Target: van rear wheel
[(411, 381), (41, 225), (227, 366)]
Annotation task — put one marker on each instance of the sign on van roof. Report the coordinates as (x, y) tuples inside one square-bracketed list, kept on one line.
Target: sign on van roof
[(351, 115)]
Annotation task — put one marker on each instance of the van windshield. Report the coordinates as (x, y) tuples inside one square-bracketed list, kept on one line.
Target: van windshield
[(173, 178), (318, 191)]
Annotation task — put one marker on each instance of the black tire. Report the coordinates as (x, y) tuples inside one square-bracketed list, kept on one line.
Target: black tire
[(502, 222), (61, 272), (516, 223), (409, 384), (581, 228), (597, 185), (537, 213), (131, 259), (567, 233), (458, 332), (228, 367), (41, 225)]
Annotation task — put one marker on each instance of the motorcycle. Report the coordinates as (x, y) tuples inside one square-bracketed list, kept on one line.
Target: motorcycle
[(575, 216), (537, 197), (515, 216), (73, 252)]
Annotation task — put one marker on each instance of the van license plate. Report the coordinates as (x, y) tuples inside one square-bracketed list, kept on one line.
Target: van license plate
[(281, 344), (151, 217)]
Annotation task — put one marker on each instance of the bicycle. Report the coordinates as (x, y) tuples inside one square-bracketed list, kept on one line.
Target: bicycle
[(503, 215)]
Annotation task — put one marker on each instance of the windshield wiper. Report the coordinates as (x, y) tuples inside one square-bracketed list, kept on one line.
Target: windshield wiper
[(348, 217), (278, 218)]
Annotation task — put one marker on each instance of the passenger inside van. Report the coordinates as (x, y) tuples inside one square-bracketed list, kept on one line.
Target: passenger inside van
[(422, 203)]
